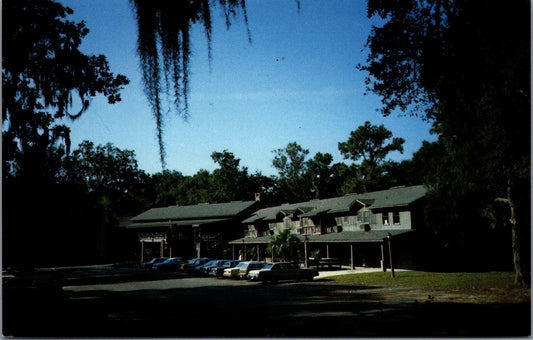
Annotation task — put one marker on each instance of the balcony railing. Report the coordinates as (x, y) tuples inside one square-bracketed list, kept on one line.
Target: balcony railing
[(250, 233), (310, 230)]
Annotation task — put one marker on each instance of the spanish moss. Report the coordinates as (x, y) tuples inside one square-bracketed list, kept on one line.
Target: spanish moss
[(164, 50)]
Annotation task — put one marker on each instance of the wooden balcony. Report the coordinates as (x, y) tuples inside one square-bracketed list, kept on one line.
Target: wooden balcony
[(310, 230)]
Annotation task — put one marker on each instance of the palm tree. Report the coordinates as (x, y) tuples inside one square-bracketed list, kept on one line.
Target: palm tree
[(285, 245)]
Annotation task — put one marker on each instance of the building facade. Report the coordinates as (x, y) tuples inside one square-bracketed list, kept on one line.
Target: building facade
[(355, 228), (201, 230)]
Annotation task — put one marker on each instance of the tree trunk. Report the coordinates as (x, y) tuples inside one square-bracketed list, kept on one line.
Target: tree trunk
[(515, 235), (519, 275)]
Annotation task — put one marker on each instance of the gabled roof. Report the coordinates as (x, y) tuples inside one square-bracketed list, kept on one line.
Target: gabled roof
[(192, 214), (394, 197), (269, 214)]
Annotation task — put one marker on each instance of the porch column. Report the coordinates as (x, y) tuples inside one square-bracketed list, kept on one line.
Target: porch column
[(161, 248), (327, 250), (142, 251), (352, 256), (257, 251), (233, 252), (306, 259), (383, 266), (389, 238), (197, 239)]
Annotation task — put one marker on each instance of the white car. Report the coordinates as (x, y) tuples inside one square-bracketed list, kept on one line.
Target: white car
[(275, 272), (252, 265), (233, 273)]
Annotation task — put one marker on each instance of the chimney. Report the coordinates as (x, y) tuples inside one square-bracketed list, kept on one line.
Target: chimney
[(257, 196)]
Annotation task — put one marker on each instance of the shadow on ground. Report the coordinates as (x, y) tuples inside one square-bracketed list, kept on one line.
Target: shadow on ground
[(216, 309)]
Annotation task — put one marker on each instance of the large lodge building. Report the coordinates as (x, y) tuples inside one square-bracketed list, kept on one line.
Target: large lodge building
[(355, 228)]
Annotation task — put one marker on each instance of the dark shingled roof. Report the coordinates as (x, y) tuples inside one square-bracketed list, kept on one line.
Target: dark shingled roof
[(191, 214), (394, 197)]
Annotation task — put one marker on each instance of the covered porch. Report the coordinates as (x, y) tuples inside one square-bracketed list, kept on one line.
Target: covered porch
[(349, 248)]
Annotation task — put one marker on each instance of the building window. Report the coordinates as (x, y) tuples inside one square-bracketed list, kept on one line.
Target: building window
[(364, 216), (396, 217), (385, 218), (306, 221)]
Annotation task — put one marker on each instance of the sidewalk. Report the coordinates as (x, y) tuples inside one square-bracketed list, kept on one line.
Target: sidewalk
[(357, 270)]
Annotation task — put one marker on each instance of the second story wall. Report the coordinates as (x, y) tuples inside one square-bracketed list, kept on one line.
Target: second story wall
[(363, 220), (387, 219), (391, 209)]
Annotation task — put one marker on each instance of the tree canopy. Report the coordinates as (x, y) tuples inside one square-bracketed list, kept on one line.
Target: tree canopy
[(45, 75), (43, 71), (293, 184), (368, 144), (465, 65)]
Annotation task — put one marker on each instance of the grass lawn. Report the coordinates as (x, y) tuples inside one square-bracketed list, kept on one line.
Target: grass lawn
[(415, 279)]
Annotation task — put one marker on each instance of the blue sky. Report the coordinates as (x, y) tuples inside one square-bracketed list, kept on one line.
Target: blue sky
[(296, 82)]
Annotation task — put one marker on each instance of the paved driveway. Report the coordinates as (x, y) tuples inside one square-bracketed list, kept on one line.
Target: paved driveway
[(174, 305)]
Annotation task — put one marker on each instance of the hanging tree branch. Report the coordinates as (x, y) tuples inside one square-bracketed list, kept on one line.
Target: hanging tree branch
[(164, 46)]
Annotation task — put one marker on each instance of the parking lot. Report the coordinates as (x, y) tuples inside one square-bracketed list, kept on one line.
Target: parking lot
[(146, 304)]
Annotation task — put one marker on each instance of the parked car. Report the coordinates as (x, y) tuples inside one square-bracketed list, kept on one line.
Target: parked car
[(149, 264), (171, 264), (252, 265), (219, 270), (213, 265), (274, 272), (191, 264), (204, 268), (233, 272)]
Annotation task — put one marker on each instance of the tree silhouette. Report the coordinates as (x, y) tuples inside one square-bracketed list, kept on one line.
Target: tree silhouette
[(43, 74), (465, 65), (293, 184), (368, 144), (43, 71)]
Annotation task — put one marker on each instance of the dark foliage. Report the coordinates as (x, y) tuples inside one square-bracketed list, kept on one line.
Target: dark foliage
[(466, 66), (44, 208)]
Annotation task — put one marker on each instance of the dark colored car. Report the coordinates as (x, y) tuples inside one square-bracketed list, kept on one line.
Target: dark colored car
[(191, 264), (169, 265), (219, 270), (205, 268), (149, 264)]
